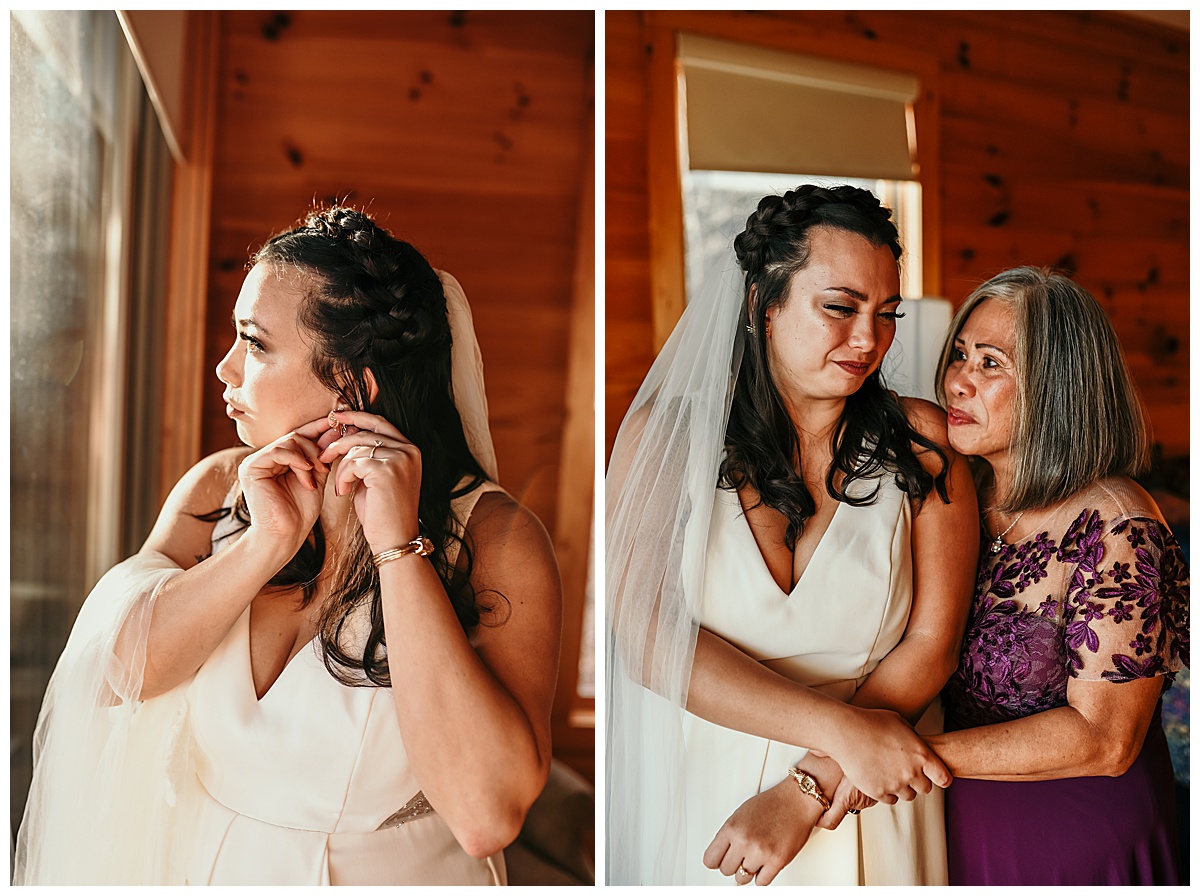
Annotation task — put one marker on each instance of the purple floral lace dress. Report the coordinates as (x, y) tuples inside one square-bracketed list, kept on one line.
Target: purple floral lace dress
[(1103, 598)]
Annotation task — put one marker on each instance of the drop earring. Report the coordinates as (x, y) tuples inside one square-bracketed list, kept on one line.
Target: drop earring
[(342, 428)]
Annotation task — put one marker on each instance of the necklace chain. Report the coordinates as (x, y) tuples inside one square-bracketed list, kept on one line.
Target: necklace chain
[(998, 543)]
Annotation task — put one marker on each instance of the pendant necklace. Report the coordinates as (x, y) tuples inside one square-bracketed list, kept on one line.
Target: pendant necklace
[(999, 542)]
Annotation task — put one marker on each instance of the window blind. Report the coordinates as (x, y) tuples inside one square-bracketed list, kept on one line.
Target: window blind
[(754, 109)]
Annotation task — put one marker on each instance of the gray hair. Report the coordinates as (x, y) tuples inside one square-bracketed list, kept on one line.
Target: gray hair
[(1077, 415)]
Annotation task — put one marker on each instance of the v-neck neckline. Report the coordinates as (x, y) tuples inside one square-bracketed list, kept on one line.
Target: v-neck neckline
[(741, 512), (250, 663)]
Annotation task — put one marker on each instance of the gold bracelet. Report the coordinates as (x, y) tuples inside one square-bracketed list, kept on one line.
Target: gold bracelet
[(809, 786), (421, 546)]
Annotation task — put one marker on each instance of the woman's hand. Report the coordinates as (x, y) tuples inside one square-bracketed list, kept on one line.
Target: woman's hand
[(845, 798), (886, 760), (764, 834), (383, 471), (284, 485)]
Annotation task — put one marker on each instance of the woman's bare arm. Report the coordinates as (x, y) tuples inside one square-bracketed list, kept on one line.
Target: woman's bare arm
[(945, 551), (476, 716), (1099, 732), (284, 483)]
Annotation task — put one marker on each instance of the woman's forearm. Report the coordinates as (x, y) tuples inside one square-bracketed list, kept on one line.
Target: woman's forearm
[(732, 689), (1057, 743), (1099, 732), (195, 610), (471, 745), (908, 678)]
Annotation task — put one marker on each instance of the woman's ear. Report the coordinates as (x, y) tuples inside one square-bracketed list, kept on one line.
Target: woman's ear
[(372, 386)]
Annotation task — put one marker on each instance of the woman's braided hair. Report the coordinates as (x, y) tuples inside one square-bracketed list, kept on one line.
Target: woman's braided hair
[(873, 434), (376, 304)]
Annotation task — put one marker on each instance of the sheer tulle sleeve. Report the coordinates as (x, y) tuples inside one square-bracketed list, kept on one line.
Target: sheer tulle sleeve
[(1126, 609), (111, 778)]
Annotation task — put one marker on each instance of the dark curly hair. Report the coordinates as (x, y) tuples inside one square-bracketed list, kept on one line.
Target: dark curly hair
[(378, 305), (873, 433)]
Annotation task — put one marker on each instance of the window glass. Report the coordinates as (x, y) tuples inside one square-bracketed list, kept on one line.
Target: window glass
[(74, 104)]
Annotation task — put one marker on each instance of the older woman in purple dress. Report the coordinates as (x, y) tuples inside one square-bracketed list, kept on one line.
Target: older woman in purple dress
[(1080, 614)]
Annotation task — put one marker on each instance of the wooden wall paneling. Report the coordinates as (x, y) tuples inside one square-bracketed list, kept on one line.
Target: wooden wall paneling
[(628, 339), (1049, 65), (664, 167), (1088, 122), (927, 118), (1055, 53), (977, 144), (800, 33), (1101, 208), (488, 30), (184, 328), (1098, 32)]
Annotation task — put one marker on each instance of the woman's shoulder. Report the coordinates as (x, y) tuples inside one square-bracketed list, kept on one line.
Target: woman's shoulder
[(184, 528), (1110, 510), (1114, 499), (210, 480), (499, 522), (926, 419)]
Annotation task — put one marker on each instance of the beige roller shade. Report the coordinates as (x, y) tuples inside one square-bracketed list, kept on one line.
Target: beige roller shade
[(753, 109)]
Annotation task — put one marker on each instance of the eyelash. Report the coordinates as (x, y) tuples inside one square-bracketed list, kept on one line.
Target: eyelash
[(847, 310), (253, 344)]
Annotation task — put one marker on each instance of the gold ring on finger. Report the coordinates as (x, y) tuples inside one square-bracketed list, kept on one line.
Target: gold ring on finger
[(743, 876), (373, 447)]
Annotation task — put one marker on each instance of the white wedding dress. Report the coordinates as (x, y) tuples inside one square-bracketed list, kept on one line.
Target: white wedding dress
[(849, 609), (311, 783)]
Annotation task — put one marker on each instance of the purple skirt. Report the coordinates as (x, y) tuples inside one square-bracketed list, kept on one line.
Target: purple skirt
[(1073, 831)]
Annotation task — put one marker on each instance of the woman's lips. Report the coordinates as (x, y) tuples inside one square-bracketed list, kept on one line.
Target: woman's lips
[(231, 411), (955, 417), (853, 369)]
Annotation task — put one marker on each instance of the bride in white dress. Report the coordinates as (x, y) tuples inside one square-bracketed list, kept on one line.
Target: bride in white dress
[(333, 661), (790, 553)]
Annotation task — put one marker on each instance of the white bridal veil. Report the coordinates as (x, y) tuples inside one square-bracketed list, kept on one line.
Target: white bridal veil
[(659, 493), (466, 370), (112, 786)]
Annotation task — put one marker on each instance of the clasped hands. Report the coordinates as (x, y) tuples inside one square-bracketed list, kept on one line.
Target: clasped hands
[(882, 760), (284, 482)]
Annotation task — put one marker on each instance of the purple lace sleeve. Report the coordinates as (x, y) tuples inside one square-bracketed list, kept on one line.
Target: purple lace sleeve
[(1108, 602), (1125, 611)]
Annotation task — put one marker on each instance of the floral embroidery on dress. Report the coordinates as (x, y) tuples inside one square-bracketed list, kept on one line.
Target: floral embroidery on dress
[(1118, 612)]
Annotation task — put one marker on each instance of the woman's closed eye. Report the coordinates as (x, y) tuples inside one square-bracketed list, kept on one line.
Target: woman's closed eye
[(848, 311)]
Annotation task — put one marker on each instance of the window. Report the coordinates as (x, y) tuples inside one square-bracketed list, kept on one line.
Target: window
[(87, 164)]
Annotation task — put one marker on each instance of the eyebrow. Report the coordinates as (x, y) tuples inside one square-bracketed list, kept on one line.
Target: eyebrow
[(861, 296), (248, 322), (958, 340)]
